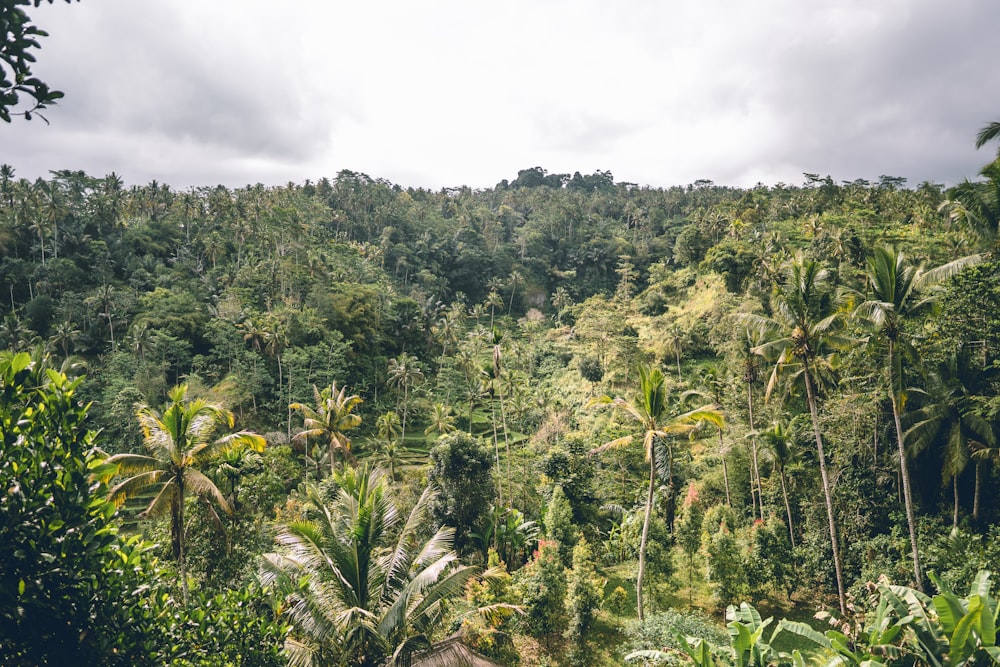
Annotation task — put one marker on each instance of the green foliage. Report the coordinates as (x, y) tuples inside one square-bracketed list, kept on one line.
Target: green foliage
[(72, 590), (733, 260), (542, 587), (490, 634), (462, 470), (617, 602), (359, 584), (583, 593), (55, 530), (559, 525), (16, 79), (667, 633), (726, 567)]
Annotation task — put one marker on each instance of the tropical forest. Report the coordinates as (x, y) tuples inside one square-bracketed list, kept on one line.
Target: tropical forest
[(561, 421)]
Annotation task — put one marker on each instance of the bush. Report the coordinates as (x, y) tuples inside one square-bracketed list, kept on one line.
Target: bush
[(660, 631), (55, 530), (542, 586)]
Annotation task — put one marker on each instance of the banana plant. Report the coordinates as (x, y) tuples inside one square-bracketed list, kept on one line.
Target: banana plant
[(746, 630), (969, 623)]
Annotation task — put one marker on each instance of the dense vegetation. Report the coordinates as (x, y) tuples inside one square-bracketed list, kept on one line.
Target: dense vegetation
[(492, 412)]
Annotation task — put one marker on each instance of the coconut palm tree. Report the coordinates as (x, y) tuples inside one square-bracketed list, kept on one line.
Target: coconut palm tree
[(442, 420), (987, 134), (180, 440), (405, 374), (802, 330), (330, 420), (895, 283), (360, 588), (949, 415), (975, 205), (651, 411), (779, 445)]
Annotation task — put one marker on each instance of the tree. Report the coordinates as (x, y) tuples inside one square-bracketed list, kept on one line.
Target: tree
[(559, 525), (56, 536), (975, 205), (651, 411), (180, 441), (16, 57), (894, 283), (462, 471), (779, 444), (405, 374), (689, 535), (330, 420), (360, 587), (442, 420), (801, 331), (949, 416), (583, 598), (987, 134), (542, 584)]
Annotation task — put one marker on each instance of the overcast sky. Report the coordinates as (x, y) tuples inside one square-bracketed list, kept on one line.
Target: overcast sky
[(436, 94)]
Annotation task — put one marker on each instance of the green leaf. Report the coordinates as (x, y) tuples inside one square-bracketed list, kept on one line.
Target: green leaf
[(949, 610), (960, 639)]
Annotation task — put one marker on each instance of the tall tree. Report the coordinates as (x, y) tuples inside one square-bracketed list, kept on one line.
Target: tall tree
[(895, 284), (650, 410), (405, 374), (802, 330), (180, 440)]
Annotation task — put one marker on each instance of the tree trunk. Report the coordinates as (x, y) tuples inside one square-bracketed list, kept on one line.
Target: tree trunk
[(975, 497), (177, 539), (496, 447), (755, 471), (810, 396), (645, 532), (788, 508), (725, 470), (904, 473), (506, 443), (954, 484)]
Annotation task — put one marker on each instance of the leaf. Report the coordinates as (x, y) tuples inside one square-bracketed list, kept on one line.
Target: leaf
[(802, 630), (960, 639)]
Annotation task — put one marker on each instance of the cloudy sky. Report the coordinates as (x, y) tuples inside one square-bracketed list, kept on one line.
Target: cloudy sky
[(448, 93)]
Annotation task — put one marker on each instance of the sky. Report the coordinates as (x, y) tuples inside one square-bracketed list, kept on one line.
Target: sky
[(448, 93)]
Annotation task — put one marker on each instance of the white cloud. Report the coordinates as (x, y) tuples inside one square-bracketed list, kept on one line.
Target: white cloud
[(449, 93)]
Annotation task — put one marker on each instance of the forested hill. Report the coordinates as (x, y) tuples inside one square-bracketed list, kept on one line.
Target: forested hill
[(508, 313)]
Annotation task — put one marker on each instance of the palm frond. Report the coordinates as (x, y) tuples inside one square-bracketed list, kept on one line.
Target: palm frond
[(163, 501), (202, 486), (134, 485)]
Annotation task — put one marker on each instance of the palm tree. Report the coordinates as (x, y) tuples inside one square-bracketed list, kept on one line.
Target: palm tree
[(711, 377), (949, 414), (405, 374), (180, 441), (779, 443), (988, 134), (894, 284), (442, 420), (330, 420), (651, 412), (800, 333), (976, 204), (387, 426), (353, 596)]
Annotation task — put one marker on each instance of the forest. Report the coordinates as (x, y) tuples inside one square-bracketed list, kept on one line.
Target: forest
[(566, 420)]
